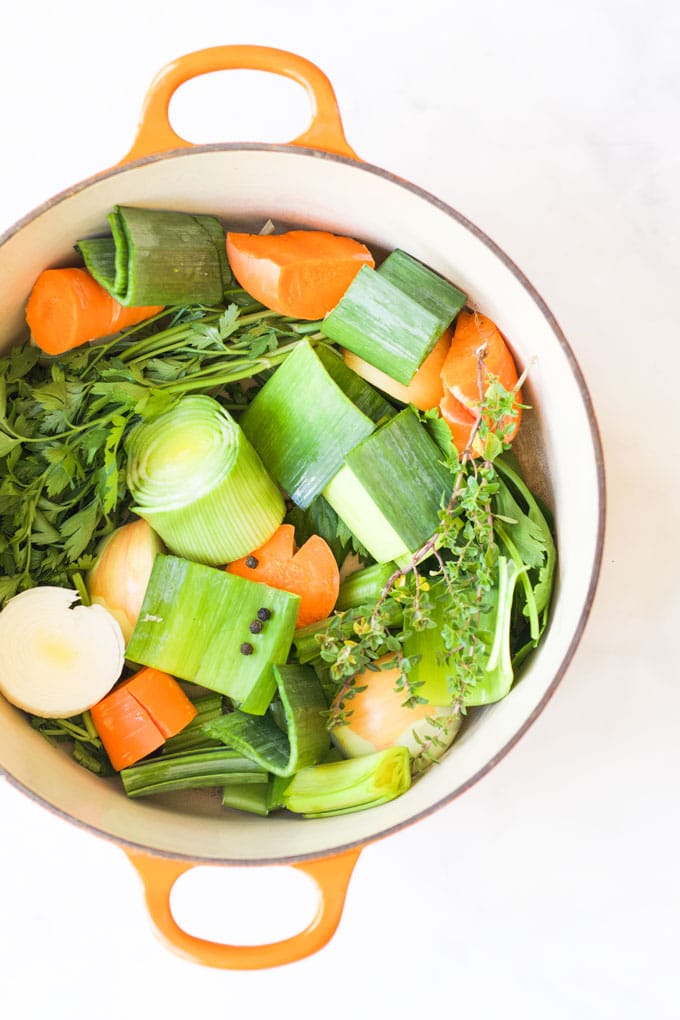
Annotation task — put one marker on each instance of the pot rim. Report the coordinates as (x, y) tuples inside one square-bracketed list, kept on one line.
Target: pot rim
[(595, 437)]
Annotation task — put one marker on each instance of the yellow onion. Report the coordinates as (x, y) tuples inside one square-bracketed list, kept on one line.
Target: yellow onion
[(120, 575), (377, 718)]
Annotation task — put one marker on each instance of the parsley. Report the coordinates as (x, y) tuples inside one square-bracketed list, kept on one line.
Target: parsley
[(64, 423)]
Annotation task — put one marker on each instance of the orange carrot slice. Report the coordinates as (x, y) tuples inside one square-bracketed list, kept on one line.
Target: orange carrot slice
[(302, 273), (67, 307), (461, 377), (310, 572), (139, 715), (426, 388)]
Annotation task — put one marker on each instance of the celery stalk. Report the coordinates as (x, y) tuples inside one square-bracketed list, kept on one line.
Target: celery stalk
[(189, 771), (354, 784)]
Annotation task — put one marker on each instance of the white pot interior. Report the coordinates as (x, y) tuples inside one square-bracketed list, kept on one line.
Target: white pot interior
[(250, 184)]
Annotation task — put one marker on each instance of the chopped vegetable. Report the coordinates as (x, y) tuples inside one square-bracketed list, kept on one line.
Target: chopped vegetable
[(140, 714), (67, 307), (302, 273), (310, 572), (200, 484), (57, 656), (426, 388), (302, 741), (391, 488), (422, 284), (340, 787), (158, 256), (190, 770), (302, 424), (194, 621), (465, 384), (385, 708), (118, 579)]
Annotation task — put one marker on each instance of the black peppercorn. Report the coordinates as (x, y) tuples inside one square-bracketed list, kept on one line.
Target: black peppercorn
[(264, 614), (246, 648), (252, 561), (256, 626)]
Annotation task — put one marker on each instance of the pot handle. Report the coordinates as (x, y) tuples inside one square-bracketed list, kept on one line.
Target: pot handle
[(154, 133), (331, 875)]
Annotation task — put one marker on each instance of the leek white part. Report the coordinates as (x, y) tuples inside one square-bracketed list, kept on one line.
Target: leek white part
[(355, 506), (200, 484), (57, 656)]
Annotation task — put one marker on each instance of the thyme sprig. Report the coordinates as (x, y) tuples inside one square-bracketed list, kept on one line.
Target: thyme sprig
[(458, 561)]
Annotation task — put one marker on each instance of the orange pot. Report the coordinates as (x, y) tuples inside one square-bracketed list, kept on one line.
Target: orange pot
[(315, 181)]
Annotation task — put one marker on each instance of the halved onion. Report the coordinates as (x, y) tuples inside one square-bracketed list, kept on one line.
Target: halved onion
[(57, 656)]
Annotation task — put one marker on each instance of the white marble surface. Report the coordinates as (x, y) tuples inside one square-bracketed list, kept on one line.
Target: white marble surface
[(551, 889)]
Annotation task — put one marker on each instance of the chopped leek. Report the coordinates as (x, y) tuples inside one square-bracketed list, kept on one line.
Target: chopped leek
[(423, 285), (391, 489), (380, 323), (305, 740), (159, 257), (194, 624), (364, 587), (200, 484), (302, 424), (339, 787)]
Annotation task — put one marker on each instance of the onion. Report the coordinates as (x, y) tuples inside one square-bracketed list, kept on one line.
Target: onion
[(120, 575), (57, 657), (377, 718)]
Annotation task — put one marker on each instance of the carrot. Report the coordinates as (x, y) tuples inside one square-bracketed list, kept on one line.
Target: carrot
[(425, 390), (310, 572), (67, 307), (302, 273), (461, 376), (140, 714)]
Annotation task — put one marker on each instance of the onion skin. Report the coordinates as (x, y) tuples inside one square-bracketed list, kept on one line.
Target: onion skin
[(119, 578)]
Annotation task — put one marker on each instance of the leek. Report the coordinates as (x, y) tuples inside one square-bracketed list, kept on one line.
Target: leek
[(423, 285), (190, 770), (302, 425), (380, 323), (391, 489), (354, 784), (365, 586), (305, 740), (194, 623), (200, 484), (159, 257)]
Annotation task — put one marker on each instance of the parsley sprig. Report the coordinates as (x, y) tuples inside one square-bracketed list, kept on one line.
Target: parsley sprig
[(64, 424)]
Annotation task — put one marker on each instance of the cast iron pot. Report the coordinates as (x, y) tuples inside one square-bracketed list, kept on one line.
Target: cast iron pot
[(316, 181)]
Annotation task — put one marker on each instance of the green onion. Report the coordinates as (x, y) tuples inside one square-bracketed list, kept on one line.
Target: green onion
[(380, 323), (200, 484), (191, 770), (425, 286), (354, 784), (159, 257), (391, 489), (194, 622), (306, 739), (302, 424)]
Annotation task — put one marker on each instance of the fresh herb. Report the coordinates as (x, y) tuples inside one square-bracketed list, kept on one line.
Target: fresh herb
[(465, 564), (64, 424), (81, 736)]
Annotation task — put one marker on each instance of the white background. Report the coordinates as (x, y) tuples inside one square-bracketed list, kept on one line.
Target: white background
[(551, 889)]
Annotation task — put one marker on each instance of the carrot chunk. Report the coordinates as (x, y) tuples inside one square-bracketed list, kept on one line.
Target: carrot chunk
[(67, 307), (461, 377), (302, 273), (140, 714), (310, 572)]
